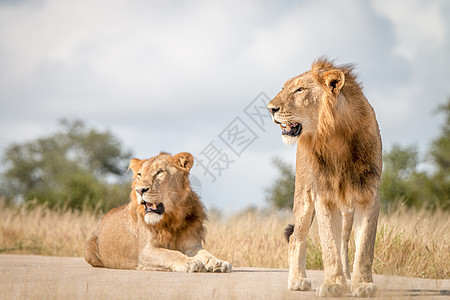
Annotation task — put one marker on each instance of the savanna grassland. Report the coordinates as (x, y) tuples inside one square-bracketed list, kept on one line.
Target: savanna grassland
[(409, 243)]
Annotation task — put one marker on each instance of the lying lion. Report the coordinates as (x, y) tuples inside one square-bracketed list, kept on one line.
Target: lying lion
[(338, 172), (161, 228)]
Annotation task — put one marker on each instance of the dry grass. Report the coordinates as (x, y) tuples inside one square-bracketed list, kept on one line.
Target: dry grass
[(409, 243), (413, 243), (30, 229)]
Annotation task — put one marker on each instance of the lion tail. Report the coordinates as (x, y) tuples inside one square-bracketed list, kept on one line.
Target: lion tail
[(288, 231)]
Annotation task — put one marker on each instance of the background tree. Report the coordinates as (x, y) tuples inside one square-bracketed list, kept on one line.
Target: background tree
[(399, 176), (403, 182), (440, 157), (281, 193), (77, 167)]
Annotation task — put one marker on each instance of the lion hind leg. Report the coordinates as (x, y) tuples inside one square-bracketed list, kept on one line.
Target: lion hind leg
[(91, 252), (366, 218)]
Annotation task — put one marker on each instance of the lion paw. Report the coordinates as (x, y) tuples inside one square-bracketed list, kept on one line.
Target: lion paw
[(218, 266), (364, 289), (331, 290), (193, 265), (302, 285)]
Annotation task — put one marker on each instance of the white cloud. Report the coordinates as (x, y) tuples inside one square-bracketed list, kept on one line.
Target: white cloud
[(418, 25)]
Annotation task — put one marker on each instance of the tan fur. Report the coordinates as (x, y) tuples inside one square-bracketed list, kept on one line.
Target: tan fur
[(130, 238), (338, 172)]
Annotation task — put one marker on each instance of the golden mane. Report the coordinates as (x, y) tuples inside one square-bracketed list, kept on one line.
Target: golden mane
[(329, 120)]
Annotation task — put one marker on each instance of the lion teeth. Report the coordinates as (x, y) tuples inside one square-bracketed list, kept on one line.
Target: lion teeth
[(150, 205), (285, 127)]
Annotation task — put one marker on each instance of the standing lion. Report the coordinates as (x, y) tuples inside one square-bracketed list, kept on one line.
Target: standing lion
[(161, 228), (338, 171)]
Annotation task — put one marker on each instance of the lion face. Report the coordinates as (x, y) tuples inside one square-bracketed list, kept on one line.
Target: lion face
[(296, 108), (160, 182)]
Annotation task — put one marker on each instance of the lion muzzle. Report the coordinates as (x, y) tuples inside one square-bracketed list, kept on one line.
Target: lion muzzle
[(157, 208), (151, 201), (291, 129)]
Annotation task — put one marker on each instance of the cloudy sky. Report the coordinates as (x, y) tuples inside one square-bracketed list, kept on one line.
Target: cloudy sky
[(193, 75)]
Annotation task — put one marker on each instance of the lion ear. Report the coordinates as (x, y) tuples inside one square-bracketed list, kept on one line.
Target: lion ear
[(334, 80), (135, 165), (183, 160)]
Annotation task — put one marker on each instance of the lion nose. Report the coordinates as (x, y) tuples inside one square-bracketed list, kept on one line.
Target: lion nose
[(141, 191), (273, 110)]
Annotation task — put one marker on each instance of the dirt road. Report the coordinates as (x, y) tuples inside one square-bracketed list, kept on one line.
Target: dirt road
[(39, 277)]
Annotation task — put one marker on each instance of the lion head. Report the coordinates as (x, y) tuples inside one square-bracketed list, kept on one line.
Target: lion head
[(308, 103), (160, 185)]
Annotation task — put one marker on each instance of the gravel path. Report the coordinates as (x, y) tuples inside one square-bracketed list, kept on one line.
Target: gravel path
[(41, 277)]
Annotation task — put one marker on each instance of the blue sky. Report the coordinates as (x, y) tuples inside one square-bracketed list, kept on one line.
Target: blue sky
[(178, 75)]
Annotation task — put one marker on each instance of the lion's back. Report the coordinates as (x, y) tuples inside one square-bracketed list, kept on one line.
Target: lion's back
[(117, 239)]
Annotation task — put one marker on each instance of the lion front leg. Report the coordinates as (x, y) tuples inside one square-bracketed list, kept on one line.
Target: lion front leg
[(330, 231), (304, 214), (209, 261), (366, 219), (169, 260), (347, 223)]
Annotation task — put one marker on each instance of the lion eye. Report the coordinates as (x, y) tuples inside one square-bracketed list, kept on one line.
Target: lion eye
[(299, 90), (160, 171), (139, 175)]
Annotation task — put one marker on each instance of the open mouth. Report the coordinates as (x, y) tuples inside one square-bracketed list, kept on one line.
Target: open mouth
[(156, 208), (290, 129)]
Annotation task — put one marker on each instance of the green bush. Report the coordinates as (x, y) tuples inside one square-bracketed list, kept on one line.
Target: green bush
[(75, 168)]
